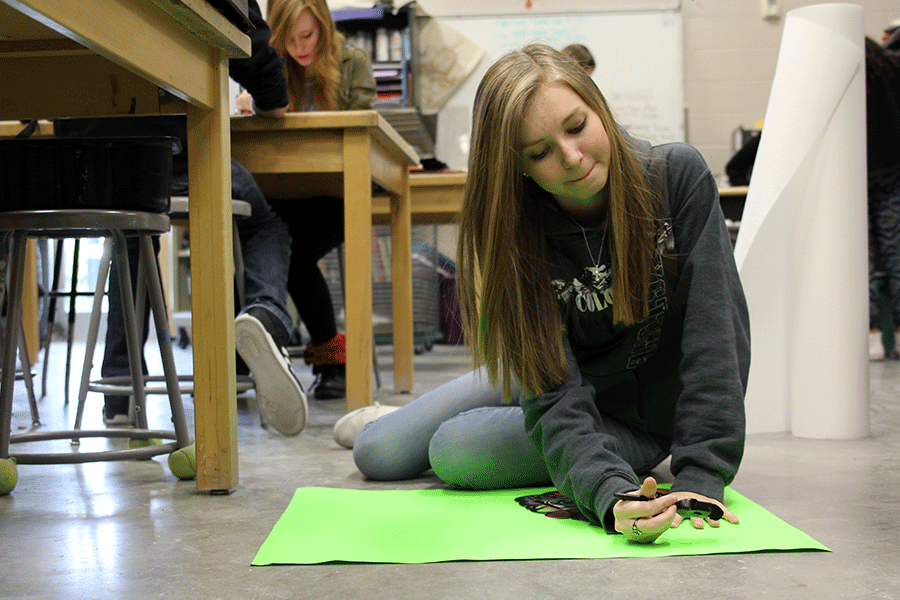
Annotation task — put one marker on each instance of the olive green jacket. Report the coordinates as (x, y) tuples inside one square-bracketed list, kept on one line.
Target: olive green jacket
[(356, 90)]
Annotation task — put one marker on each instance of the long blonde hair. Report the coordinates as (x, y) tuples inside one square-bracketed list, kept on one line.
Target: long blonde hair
[(508, 307), (326, 66)]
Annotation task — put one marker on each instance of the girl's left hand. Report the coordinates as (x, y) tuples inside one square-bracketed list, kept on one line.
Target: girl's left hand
[(698, 522)]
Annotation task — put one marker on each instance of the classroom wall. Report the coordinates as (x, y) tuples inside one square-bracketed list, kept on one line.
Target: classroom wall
[(730, 56)]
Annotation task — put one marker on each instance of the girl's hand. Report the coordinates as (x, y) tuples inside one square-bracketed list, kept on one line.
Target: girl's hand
[(697, 522), (244, 103), (644, 521)]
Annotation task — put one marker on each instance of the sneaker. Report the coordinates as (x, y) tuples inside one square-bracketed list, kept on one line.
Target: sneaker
[(331, 382), (278, 393), (116, 420), (115, 411), (348, 427)]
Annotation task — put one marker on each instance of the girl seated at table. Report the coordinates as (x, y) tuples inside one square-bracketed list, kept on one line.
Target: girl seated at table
[(323, 73)]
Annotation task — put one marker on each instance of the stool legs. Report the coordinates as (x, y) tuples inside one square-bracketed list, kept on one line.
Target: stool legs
[(13, 316), (26, 376), (239, 291), (132, 340), (142, 442), (51, 310), (93, 328), (19, 328), (147, 281), (161, 321), (70, 330)]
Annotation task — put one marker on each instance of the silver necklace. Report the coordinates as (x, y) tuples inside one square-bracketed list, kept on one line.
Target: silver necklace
[(596, 278), (588, 246)]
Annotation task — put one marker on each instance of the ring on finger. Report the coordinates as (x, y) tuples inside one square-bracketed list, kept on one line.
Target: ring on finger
[(638, 534)]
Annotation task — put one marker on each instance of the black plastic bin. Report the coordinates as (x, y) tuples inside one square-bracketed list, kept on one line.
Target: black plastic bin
[(133, 173)]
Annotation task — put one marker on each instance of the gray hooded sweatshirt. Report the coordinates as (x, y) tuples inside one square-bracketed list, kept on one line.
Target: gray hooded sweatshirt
[(678, 378)]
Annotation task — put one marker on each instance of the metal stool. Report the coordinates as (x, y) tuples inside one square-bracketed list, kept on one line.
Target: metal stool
[(179, 215), (115, 224), (121, 385)]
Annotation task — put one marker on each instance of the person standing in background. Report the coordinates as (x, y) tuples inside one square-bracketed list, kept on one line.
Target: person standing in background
[(582, 56), (883, 166)]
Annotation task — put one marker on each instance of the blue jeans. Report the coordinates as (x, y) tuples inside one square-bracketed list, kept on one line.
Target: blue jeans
[(265, 246), (462, 430), (472, 440)]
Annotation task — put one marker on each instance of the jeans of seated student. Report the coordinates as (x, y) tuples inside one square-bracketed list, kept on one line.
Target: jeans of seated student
[(265, 246), (316, 226), (472, 440)]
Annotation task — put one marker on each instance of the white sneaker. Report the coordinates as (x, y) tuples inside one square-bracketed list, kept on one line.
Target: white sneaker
[(278, 393), (349, 426), (117, 420)]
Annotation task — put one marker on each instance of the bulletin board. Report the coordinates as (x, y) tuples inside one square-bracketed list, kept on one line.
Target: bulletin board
[(640, 67)]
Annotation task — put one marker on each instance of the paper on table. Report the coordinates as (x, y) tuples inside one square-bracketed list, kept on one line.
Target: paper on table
[(801, 250), (423, 526)]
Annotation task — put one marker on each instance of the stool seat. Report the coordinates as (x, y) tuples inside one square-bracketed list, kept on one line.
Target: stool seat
[(178, 208), (179, 213), (74, 223)]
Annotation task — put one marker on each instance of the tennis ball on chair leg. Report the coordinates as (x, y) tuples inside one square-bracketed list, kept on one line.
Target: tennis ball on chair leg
[(183, 462), (9, 475), (135, 443)]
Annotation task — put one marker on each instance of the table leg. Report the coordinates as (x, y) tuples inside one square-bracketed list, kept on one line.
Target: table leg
[(212, 299), (30, 314), (401, 285), (358, 266)]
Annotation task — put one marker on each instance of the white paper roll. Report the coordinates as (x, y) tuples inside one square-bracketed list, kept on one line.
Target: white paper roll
[(802, 246)]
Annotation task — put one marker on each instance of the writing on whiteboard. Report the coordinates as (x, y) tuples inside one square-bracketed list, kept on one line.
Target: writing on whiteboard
[(641, 114), (639, 60)]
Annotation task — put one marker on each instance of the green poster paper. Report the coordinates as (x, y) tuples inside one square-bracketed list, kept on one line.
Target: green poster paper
[(422, 526)]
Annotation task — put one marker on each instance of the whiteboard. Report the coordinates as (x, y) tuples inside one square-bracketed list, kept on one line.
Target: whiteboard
[(640, 69)]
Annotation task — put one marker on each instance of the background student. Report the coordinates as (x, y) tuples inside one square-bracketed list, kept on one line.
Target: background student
[(262, 330), (883, 169), (323, 73)]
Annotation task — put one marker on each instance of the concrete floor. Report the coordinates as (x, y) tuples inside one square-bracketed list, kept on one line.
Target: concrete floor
[(131, 530)]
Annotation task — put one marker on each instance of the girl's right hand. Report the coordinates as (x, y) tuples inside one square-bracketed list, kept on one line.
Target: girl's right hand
[(644, 521)]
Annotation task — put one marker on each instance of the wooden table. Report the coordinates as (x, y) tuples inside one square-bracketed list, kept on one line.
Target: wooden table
[(67, 58), (435, 198), (345, 154), (732, 200)]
